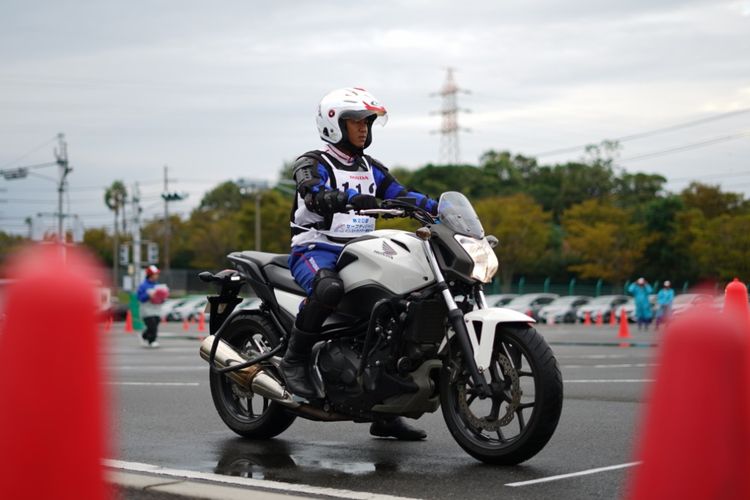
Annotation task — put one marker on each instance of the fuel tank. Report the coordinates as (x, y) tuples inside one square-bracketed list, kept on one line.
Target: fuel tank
[(387, 258)]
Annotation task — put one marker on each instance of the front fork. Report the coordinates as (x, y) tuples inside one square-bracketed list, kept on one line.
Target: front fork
[(456, 317)]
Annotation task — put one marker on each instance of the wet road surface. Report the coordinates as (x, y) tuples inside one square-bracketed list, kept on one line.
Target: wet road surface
[(163, 415)]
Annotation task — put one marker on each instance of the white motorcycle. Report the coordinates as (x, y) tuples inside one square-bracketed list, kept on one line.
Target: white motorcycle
[(412, 334)]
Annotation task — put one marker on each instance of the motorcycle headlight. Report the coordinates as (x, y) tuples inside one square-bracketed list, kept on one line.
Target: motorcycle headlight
[(480, 251)]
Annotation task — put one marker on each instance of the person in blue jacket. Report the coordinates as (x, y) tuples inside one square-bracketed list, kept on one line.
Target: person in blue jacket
[(151, 295), (641, 290), (664, 300), (328, 181)]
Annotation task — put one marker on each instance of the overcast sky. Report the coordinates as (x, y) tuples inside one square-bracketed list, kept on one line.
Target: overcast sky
[(223, 90)]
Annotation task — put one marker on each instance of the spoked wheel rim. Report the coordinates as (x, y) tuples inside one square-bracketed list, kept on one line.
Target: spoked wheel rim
[(242, 404), (502, 420)]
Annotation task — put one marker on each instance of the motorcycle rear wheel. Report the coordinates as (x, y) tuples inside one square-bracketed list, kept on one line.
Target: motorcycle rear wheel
[(519, 419), (248, 414)]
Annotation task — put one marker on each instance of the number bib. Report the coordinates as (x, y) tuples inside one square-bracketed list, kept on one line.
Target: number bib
[(350, 224)]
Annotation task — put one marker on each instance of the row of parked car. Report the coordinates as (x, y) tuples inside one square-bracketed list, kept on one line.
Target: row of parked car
[(186, 308), (550, 307)]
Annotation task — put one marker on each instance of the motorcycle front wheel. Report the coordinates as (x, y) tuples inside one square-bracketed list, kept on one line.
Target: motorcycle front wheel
[(518, 420), (248, 414)]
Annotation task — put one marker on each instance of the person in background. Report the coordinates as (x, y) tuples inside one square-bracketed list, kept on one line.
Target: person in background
[(640, 290), (330, 182), (151, 296), (664, 299)]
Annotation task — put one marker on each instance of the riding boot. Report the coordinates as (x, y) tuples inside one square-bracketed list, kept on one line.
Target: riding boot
[(396, 427), (294, 365)]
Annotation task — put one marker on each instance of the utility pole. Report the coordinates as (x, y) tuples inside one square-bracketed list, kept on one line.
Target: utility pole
[(449, 149), (255, 187), (61, 155), (166, 224), (136, 198)]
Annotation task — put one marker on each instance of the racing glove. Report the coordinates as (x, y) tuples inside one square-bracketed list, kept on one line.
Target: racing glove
[(364, 202), (328, 202)]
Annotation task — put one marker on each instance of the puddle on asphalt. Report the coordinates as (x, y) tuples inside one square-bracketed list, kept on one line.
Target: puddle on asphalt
[(277, 460)]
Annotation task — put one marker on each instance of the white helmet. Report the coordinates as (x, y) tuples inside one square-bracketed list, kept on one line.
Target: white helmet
[(349, 103)]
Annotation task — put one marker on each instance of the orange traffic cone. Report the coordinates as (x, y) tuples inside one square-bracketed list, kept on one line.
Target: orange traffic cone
[(185, 325), (735, 303), (624, 331), (587, 318), (129, 322), (612, 318), (76, 444), (680, 459), (202, 322), (108, 324), (599, 319)]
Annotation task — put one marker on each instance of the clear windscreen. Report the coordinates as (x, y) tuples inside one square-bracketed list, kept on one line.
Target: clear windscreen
[(456, 212)]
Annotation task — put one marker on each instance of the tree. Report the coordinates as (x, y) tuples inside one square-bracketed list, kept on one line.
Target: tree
[(9, 243), (606, 241), (638, 189), (99, 241), (665, 256), (723, 246), (712, 201), (522, 227), (115, 197), (274, 212), (226, 197)]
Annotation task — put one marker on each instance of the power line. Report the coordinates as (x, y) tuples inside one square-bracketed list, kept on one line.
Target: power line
[(687, 147), (34, 150), (650, 133)]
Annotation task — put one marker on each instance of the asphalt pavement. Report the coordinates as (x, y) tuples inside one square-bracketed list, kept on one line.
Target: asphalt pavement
[(170, 440)]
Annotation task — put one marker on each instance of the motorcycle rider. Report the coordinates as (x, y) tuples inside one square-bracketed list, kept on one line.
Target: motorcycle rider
[(328, 180)]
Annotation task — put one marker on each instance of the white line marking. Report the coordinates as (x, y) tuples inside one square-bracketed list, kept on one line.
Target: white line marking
[(156, 368), (626, 365), (243, 481), (606, 381), (193, 384), (573, 474)]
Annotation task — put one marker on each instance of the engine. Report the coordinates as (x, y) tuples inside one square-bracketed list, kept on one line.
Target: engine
[(399, 342)]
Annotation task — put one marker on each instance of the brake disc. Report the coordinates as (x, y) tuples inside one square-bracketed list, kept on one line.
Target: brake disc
[(485, 423)]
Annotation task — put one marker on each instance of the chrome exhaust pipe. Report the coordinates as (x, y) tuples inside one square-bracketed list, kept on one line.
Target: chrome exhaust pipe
[(257, 381), (252, 378)]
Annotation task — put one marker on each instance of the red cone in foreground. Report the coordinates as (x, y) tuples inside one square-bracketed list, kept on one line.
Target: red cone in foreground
[(202, 322), (129, 322), (624, 331), (735, 303), (52, 431), (683, 456), (599, 319), (612, 318), (587, 318)]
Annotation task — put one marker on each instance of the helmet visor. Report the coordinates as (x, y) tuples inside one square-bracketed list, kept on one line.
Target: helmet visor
[(380, 114)]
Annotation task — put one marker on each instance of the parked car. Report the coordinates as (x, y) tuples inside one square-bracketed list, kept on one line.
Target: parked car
[(604, 305), (168, 305), (531, 303), (685, 301), (186, 309), (499, 299), (247, 303), (563, 309)]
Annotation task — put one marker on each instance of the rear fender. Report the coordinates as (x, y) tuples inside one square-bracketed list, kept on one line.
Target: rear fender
[(482, 324)]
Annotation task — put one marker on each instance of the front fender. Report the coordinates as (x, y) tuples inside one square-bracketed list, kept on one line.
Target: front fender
[(482, 324)]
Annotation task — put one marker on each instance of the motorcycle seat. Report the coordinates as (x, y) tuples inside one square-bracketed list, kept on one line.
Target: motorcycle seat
[(262, 259), (281, 278)]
